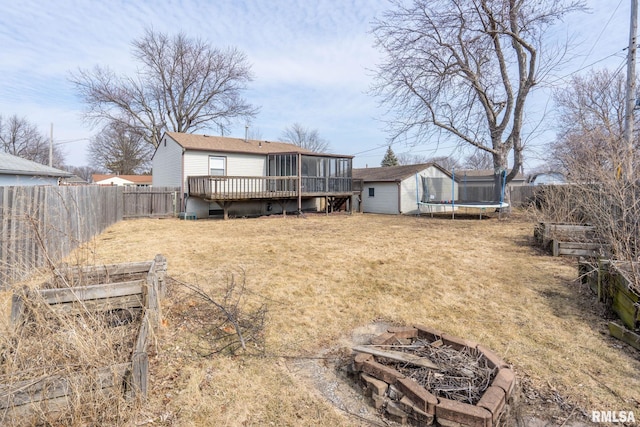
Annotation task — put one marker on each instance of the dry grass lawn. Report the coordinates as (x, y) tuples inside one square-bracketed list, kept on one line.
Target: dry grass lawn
[(322, 277)]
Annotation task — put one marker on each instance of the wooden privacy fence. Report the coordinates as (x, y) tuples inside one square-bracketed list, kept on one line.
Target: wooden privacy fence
[(42, 224), (150, 201), (132, 287)]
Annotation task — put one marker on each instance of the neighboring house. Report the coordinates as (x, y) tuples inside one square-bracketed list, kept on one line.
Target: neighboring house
[(18, 171), (241, 177), (398, 189), (130, 180)]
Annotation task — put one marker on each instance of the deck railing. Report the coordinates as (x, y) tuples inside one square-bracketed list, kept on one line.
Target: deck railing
[(264, 187)]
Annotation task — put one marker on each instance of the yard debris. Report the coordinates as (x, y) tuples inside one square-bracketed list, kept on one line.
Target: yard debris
[(464, 375), (227, 324)]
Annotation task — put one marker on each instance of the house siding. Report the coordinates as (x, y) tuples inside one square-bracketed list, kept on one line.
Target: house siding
[(167, 164), (246, 165), (444, 189), (385, 199), (196, 163), (408, 197)]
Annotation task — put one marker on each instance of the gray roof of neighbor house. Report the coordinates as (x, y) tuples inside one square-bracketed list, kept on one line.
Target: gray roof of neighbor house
[(191, 141), (393, 173), (482, 174), (14, 165)]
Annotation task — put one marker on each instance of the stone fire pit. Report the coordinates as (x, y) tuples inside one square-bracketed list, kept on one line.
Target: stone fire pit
[(421, 376)]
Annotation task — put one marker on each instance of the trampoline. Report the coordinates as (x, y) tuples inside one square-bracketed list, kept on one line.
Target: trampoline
[(441, 194)]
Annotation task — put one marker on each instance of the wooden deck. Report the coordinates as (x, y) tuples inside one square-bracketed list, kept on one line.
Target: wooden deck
[(237, 188)]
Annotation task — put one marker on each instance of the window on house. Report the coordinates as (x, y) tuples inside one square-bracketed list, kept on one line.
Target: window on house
[(217, 166), (372, 192)]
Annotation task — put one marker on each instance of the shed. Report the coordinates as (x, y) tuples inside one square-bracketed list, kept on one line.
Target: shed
[(16, 171), (395, 189)]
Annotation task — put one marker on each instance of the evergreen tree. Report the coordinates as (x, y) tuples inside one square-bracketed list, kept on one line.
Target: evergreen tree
[(390, 158)]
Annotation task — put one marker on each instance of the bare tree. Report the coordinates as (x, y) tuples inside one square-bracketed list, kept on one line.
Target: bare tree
[(84, 172), (120, 150), (305, 138), (182, 85), (591, 125), (464, 68), (592, 151), (254, 133), (22, 139), (446, 162), (478, 160), (411, 159)]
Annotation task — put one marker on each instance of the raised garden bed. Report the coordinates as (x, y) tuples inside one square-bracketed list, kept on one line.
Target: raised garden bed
[(569, 240), (421, 376), (111, 309), (613, 284)]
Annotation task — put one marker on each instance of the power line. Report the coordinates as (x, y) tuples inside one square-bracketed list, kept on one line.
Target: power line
[(551, 83), (601, 33)]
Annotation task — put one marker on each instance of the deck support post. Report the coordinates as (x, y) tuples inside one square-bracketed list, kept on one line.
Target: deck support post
[(225, 210)]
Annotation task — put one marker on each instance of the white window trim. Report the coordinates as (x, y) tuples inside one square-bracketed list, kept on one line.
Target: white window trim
[(224, 165)]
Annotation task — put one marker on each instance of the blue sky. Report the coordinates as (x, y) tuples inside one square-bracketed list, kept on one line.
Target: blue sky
[(312, 62)]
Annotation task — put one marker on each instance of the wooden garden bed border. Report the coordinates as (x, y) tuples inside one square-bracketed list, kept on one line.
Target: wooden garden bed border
[(579, 244), (25, 397)]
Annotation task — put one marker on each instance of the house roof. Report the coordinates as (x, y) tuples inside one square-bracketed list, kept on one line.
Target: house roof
[(482, 174), (14, 165), (136, 179), (393, 173), (190, 141)]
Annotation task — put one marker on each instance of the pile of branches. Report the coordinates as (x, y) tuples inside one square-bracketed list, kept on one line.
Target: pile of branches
[(226, 321), (463, 376)]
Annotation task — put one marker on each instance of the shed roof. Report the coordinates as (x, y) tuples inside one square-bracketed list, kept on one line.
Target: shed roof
[(14, 165), (393, 173), (190, 141)]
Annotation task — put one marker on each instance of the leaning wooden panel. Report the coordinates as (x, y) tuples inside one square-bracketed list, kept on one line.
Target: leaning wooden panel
[(92, 292)]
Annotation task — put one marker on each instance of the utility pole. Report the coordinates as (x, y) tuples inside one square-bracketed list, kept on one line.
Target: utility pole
[(631, 90)]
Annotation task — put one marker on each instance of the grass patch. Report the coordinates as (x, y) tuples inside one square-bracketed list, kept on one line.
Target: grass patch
[(321, 277)]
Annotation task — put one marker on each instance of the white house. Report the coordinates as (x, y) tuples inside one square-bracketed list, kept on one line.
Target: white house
[(126, 180), (16, 171), (398, 189), (242, 177)]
